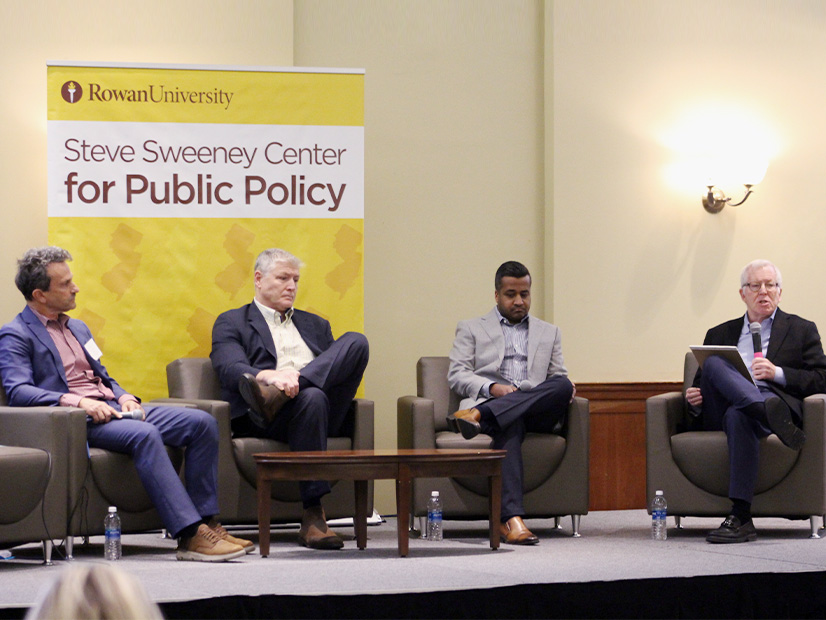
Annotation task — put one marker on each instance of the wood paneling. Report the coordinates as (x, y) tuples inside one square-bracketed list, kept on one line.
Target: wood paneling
[(618, 441)]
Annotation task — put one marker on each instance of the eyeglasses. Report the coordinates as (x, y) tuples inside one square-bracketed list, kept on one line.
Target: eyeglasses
[(755, 287)]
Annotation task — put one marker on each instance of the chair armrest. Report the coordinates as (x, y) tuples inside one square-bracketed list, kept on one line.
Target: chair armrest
[(363, 424), (35, 427), (415, 425)]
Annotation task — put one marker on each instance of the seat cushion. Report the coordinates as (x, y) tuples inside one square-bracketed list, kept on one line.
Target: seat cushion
[(116, 478), (24, 474), (245, 447), (702, 457), (541, 453)]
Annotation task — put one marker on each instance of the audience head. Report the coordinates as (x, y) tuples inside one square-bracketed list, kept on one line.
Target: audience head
[(94, 592), (513, 291), (761, 287), (33, 269), (276, 279)]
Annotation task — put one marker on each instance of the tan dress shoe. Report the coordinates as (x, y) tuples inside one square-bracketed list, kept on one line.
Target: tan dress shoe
[(247, 545), (314, 532), (265, 400), (515, 532), (207, 546), (465, 421)]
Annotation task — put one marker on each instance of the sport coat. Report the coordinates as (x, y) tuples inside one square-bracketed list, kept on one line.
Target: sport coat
[(479, 349), (242, 343), (30, 365), (794, 346)]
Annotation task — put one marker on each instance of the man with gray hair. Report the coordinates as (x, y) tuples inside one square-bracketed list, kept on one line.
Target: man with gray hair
[(787, 364), (286, 378), (48, 359)]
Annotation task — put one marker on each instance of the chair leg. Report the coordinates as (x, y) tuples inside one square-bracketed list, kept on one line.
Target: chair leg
[(575, 522), (678, 521), (814, 526), (70, 545), (423, 526), (47, 552), (558, 523)]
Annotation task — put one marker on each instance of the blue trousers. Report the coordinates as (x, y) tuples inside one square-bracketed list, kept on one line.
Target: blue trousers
[(726, 394), (179, 505), (327, 386), (539, 410)]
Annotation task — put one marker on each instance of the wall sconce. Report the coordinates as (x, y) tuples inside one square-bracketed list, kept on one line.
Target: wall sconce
[(748, 171)]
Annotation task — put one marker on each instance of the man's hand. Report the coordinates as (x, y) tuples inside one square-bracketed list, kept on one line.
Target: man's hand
[(285, 379), (694, 396), (497, 390), (131, 405), (99, 411), (763, 369)]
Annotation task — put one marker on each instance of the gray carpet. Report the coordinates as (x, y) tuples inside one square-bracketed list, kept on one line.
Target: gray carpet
[(615, 545)]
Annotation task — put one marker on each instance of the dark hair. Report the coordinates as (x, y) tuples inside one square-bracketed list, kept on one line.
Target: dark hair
[(31, 269), (510, 269)]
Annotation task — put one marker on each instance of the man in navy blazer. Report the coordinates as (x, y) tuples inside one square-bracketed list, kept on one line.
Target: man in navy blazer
[(508, 369), (286, 377), (46, 358), (785, 357)]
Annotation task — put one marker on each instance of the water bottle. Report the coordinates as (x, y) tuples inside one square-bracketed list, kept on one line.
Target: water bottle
[(434, 517), (658, 512), (111, 524)]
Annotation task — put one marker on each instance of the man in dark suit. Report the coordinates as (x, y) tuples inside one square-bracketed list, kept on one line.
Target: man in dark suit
[(787, 364), (509, 371), (286, 378), (48, 359)]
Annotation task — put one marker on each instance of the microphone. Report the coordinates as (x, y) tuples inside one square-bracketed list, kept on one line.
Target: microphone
[(135, 414), (525, 385), (756, 340)]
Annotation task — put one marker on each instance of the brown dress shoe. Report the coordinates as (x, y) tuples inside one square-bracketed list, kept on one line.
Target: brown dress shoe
[(515, 532), (314, 532), (265, 400), (247, 545), (465, 421)]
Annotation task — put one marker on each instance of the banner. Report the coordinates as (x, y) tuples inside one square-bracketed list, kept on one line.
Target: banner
[(166, 182)]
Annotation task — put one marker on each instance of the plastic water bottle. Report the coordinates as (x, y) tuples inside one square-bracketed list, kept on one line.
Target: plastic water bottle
[(434, 517), (658, 512), (111, 524)]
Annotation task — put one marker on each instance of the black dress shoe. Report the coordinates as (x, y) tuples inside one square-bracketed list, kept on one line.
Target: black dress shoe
[(732, 531), (779, 417), (465, 421)]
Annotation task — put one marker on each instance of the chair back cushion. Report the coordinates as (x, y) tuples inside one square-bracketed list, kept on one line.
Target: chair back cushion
[(194, 378), (431, 383)]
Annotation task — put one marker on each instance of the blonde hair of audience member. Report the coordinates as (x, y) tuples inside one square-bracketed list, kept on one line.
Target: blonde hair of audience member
[(94, 592)]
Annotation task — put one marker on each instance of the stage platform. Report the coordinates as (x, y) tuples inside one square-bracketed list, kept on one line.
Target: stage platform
[(613, 571)]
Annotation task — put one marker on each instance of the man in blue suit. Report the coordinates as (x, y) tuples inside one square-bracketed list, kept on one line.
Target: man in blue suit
[(286, 378), (48, 359)]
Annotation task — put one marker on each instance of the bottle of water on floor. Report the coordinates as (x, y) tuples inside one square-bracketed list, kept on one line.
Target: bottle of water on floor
[(111, 525), (658, 513), (434, 517)]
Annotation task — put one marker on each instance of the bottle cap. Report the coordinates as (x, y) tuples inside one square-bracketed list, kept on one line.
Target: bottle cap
[(112, 509), (658, 493), (434, 494)]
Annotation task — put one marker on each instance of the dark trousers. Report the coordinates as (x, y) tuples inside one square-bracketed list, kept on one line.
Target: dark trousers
[(179, 505), (726, 394), (326, 389), (540, 409)]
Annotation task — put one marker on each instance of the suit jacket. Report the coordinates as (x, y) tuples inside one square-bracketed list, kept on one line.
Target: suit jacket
[(479, 348), (242, 342), (794, 346), (30, 365)]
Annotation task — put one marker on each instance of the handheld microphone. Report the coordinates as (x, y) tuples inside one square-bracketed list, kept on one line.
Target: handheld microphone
[(135, 414), (525, 385), (756, 339)]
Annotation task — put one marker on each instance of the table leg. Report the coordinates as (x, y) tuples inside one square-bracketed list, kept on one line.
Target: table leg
[(360, 520), (403, 490), (264, 491), (495, 500)]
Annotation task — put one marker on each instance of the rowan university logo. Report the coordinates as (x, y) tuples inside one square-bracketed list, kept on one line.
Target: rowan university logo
[(71, 92)]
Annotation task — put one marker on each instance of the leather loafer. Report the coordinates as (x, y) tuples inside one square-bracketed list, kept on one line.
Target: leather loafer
[(515, 532), (779, 417), (314, 532), (265, 400), (733, 531), (465, 421)]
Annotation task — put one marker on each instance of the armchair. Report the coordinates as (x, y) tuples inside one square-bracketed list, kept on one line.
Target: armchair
[(692, 469), (194, 381), (556, 466)]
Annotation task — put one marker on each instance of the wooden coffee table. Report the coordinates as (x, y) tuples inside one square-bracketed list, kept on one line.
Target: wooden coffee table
[(362, 466)]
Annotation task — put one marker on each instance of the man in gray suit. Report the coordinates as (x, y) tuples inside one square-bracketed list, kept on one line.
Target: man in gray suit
[(508, 368)]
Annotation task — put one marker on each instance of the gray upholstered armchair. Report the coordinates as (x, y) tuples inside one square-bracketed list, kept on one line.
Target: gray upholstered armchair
[(691, 467), (193, 380), (556, 466)]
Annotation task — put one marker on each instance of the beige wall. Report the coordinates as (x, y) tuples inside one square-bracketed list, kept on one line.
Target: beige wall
[(535, 130)]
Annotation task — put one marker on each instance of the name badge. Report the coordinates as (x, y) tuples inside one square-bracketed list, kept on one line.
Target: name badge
[(92, 349)]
